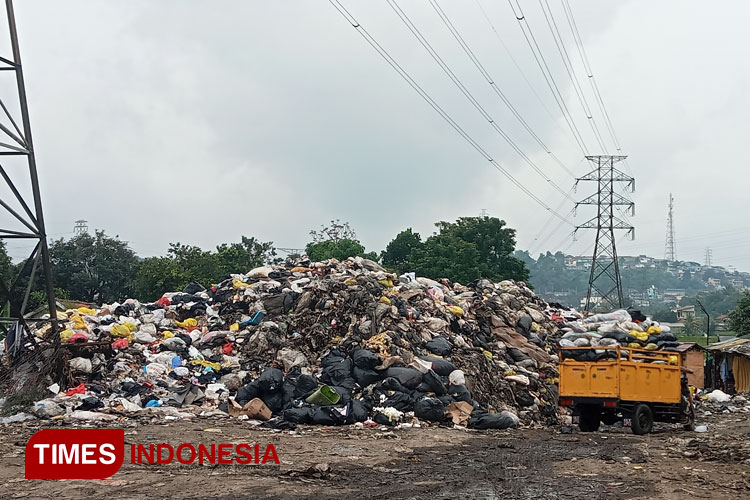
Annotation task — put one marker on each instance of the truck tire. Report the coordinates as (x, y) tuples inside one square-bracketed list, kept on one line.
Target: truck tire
[(590, 420), (643, 419)]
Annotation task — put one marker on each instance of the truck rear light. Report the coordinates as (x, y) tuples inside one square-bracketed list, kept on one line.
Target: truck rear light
[(610, 404), (566, 402)]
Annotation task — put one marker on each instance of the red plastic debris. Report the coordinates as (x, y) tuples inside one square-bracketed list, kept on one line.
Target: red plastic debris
[(81, 389), (121, 343), (78, 338), (164, 302), (227, 348)]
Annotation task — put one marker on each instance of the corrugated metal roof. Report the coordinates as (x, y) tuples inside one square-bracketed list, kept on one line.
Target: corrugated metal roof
[(736, 346), (686, 346)]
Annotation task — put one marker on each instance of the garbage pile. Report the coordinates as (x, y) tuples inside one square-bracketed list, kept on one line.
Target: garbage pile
[(626, 328), (326, 343)]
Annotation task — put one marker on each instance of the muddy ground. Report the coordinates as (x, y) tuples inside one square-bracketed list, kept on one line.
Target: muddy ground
[(435, 463)]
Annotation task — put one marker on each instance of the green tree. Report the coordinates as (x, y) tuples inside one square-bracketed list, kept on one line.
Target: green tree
[(336, 241), (398, 253), (447, 257), (249, 253), (157, 275), (196, 264), (483, 247), (739, 318), (93, 268), (339, 249), (6, 265)]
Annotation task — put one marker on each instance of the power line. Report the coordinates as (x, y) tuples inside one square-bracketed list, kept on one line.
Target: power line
[(518, 66), (435, 106), (590, 74), (551, 83), (458, 83), (552, 24), (474, 59)]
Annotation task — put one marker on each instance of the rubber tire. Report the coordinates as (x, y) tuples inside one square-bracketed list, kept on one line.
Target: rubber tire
[(590, 420), (643, 420)]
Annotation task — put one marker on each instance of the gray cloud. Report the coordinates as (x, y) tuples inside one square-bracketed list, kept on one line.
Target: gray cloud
[(199, 122)]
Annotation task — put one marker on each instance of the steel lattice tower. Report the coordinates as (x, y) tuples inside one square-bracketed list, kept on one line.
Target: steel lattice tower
[(24, 218), (604, 280), (669, 243)]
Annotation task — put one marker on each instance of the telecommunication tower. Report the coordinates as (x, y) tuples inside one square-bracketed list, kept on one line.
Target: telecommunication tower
[(708, 255), (605, 286), (81, 227), (669, 243)]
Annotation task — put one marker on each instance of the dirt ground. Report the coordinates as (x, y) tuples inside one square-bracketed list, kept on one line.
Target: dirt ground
[(435, 463)]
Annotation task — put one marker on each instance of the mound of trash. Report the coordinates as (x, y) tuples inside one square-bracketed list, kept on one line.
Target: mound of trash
[(625, 328), (326, 343)]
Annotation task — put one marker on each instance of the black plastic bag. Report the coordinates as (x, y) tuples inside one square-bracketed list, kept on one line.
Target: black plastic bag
[(247, 392), (482, 420), (194, 287), (400, 401), (365, 377), (441, 366), (390, 384), (408, 377), (271, 380), (330, 415), (357, 412), (431, 380), (274, 400), (301, 415), (365, 359), (460, 393), (339, 373), (439, 346), (429, 409)]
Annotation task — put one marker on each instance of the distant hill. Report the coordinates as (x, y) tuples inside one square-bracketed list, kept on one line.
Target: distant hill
[(647, 283)]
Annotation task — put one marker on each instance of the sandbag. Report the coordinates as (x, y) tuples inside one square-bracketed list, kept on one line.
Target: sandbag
[(441, 366), (439, 346), (408, 377), (429, 409)]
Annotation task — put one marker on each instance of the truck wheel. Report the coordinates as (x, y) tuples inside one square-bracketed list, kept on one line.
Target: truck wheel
[(590, 420), (643, 420)]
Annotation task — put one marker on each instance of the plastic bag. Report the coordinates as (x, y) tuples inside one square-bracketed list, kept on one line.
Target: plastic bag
[(431, 409)]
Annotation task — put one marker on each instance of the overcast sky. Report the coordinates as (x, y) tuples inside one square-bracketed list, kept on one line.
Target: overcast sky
[(198, 122)]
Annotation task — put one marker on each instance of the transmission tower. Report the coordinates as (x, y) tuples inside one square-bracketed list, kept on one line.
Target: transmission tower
[(605, 286), (24, 210), (81, 227), (484, 213), (708, 255), (669, 243)]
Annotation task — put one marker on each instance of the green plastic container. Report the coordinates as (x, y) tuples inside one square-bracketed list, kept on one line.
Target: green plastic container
[(324, 396)]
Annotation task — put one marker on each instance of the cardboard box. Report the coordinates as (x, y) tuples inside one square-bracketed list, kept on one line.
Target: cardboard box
[(255, 409)]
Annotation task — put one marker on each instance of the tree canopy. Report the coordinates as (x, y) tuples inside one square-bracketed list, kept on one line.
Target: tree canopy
[(739, 318), (93, 268), (465, 250), (336, 241)]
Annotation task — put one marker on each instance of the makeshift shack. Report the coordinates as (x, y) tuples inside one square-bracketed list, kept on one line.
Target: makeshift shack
[(694, 359), (729, 363)]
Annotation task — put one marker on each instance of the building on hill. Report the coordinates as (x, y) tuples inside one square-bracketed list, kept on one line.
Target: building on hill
[(685, 312)]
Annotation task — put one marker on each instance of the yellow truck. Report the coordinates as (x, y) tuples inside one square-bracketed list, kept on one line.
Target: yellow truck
[(613, 383)]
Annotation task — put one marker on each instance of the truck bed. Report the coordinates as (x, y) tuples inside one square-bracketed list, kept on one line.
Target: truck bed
[(639, 378)]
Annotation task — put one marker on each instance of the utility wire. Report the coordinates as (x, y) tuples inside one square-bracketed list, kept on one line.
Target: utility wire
[(474, 59), (456, 81), (542, 63), (560, 44), (436, 107), (590, 74), (518, 66)]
